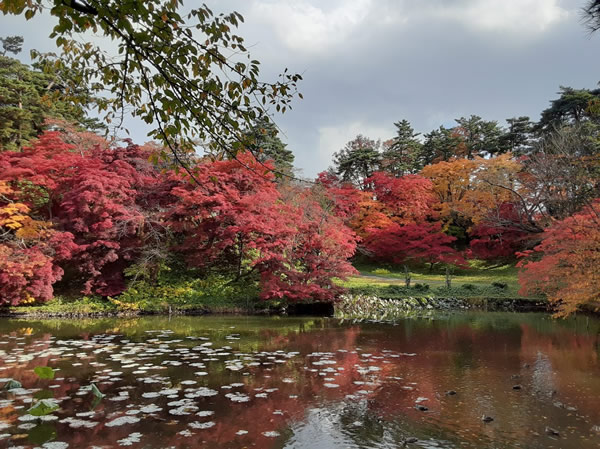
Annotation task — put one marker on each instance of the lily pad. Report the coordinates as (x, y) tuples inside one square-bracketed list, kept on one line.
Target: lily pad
[(44, 372), (43, 407), (12, 385)]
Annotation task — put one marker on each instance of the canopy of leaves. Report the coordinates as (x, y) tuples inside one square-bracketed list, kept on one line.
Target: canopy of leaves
[(99, 214)]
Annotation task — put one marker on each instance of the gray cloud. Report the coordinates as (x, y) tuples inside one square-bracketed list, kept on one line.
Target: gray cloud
[(369, 63)]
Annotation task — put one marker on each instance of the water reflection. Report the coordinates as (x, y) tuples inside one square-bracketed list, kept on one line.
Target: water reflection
[(239, 382)]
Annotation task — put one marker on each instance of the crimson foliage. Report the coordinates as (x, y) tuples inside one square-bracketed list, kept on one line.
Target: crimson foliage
[(104, 209)]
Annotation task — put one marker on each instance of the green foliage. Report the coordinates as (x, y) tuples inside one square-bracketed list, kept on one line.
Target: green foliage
[(12, 44), (380, 271), (421, 287), (358, 160), (570, 108), (500, 285), (187, 293), (479, 137), (403, 154), (262, 139), (28, 96)]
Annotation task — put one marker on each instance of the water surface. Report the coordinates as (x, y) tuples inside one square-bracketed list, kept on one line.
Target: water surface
[(239, 382)]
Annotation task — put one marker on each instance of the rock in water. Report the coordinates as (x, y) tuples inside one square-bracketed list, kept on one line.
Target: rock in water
[(421, 408), (553, 432), (516, 387), (450, 393), (486, 418)]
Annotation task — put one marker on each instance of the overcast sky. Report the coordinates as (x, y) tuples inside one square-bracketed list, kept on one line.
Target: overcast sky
[(369, 63)]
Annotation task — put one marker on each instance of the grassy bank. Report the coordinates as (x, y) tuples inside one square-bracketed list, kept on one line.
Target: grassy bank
[(215, 295), (478, 284)]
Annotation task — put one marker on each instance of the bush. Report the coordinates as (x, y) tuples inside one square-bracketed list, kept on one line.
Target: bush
[(469, 287), (421, 287), (381, 271), (396, 289), (500, 285)]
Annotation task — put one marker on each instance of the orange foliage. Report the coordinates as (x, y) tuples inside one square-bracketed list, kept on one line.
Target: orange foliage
[(474, 188)]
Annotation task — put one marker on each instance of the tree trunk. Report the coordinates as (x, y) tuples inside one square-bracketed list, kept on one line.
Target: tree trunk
[(406, 276)]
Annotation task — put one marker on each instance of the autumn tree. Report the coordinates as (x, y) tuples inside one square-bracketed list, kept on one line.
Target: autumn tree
[(562, 173), (94, 196), (237, 221), (564, 266), (419, 243), (316, 252), (30, 251)]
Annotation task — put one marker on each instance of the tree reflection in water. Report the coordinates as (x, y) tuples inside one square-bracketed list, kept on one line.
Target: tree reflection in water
[(305, 383)]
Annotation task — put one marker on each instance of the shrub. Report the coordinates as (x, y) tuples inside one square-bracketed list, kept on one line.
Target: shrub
[(500, 285), (395, 289), (469, 287), (421, 287), (381, 271)]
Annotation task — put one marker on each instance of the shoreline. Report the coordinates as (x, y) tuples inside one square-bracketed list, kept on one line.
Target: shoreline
[(517, 305)]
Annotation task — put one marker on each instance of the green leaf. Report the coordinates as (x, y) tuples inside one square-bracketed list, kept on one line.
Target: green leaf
[(43, 407), (44, 372)]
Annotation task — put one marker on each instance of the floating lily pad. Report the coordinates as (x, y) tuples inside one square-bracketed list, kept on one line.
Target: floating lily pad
[(44, 372), (43, 407)]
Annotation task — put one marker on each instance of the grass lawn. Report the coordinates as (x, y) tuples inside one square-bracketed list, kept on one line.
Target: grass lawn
[(476, 281)]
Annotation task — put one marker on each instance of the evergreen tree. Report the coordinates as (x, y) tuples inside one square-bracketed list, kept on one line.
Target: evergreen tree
[(358, 160), (518, 138), (402, 154), (440, 145), (263, 141), (480, 137), (572, 107), (11, 44), (28, 96)]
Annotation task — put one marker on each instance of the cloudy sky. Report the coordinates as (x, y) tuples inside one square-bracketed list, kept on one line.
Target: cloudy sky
[(369, 63)]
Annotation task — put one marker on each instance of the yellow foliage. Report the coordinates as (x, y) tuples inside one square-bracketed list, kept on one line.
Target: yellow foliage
[(28, 299), (14, 216)]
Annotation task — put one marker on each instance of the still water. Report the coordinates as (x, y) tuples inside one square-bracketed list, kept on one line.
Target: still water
[(241, 382)]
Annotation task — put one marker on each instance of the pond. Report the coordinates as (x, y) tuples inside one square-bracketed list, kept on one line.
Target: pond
[(285, 382)]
